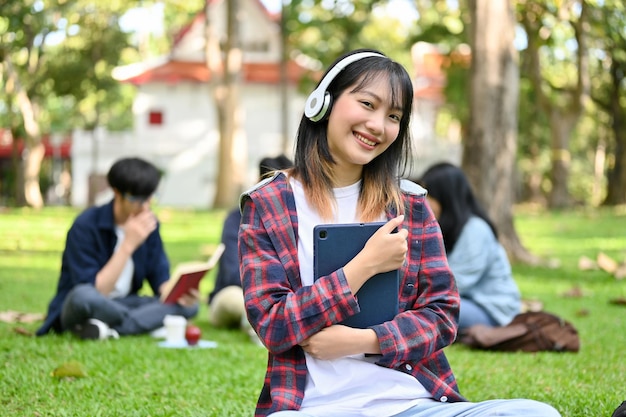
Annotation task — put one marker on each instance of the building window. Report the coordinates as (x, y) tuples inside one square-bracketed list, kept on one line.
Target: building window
[(155, 117)]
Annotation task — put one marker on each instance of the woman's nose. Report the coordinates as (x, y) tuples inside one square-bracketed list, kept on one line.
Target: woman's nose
[(376, 122)]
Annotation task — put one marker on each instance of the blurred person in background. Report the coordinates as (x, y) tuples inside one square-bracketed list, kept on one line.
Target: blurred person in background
[(226, 306), (481, 268), (110, 252)]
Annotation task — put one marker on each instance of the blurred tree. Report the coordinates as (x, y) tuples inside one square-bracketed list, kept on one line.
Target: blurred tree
[(57, 57), (533, 156), (482, 93), (324, 30), (491, 143), (558, 62), (25, 31), (608, 21), (446, 25), (226, 96), (176, 14)]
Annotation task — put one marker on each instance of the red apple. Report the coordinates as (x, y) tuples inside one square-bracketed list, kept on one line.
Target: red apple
[(192, 334)]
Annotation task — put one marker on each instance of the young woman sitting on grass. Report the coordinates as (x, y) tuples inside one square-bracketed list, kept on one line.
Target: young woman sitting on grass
[(352, 142), (481, 268)]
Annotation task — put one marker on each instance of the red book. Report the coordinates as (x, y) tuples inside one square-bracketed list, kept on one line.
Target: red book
[(188, 275)]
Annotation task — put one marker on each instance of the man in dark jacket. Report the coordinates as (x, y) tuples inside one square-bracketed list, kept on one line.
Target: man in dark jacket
[(226, 307), (109, 252)]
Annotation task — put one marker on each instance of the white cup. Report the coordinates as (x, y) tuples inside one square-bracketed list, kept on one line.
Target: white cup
[(174, 328)]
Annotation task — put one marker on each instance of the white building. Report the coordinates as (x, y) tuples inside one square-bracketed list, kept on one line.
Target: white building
[(175, 121)]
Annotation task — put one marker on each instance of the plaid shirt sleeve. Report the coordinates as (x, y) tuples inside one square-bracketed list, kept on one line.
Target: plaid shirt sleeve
[(279, 308), (282, 310)]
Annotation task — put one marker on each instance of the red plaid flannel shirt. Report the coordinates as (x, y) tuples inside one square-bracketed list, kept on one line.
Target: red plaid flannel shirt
[(284, 312)]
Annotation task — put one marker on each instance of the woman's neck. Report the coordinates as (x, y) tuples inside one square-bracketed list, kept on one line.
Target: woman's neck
[(345, 177)]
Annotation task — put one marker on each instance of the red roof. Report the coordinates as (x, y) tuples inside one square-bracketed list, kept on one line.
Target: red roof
[(174, 71), (201, 15), (6, 146), (177, 71)]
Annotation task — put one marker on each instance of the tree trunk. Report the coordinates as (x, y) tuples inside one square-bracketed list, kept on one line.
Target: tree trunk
[(491, 145), (17, 167), (34, 149), (533, 181), (562, 124), (232, 151), (565, 106), (32, 166), (616, 185), (284, 81)]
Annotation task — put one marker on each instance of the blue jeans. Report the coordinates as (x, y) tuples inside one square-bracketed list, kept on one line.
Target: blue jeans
[(490, 408), (471, 314)]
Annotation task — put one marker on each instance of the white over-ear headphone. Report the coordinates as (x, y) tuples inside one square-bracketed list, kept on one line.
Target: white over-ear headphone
[(318, 102)]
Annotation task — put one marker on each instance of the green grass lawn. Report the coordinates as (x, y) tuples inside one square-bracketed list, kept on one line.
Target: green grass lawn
[(134, 377)]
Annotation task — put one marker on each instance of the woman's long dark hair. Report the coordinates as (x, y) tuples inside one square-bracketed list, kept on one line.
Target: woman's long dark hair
[(448, 184), (313, 162)]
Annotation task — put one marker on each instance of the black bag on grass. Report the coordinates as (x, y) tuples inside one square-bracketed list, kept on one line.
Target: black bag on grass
[(528, 332), (620, 411)]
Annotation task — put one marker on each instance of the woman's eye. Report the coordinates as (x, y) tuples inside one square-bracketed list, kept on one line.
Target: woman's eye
[(366, 103), (395, 117)]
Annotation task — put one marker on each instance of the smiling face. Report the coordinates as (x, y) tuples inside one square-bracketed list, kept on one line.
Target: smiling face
[(361, 126)]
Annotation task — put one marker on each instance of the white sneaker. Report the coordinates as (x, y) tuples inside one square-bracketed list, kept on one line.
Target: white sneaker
[(96, 330), (160, 333)]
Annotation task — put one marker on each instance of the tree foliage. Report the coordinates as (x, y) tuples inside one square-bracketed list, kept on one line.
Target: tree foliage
[(57, 57), (63, 53), (324, 30)]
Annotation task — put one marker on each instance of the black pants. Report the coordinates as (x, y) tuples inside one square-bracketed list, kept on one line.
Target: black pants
[(133, 314)]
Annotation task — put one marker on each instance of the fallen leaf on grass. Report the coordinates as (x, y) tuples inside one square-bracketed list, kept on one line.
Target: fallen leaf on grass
[(606, 263), (583, 312), (620, 272), (23, 331), (531, 305), (574, 292), (586, 264), (71, 369), (11, 316), (618, 301)]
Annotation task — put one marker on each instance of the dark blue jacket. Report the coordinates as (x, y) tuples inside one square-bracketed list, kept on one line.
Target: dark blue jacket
[(228, 267), (89, 246)]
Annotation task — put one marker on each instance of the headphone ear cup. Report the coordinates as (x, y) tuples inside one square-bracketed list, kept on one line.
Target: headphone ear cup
[(314, 103), (328, 106), (324, 110), (318, 104)]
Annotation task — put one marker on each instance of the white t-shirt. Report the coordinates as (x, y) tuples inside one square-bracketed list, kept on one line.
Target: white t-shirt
[(349, 386), (122, 286)]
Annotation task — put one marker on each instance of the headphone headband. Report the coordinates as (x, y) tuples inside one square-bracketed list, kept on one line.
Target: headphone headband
[(318, 102)]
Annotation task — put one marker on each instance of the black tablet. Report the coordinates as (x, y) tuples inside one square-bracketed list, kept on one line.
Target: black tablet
[(334, 245)]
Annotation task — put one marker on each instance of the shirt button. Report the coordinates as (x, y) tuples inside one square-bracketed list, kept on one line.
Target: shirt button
[(408, 367), (443, 399)]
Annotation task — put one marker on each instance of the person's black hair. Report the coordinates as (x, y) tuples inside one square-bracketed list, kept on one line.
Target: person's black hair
[(134, 176), (312, 154), (448, 184), (269, 164)]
